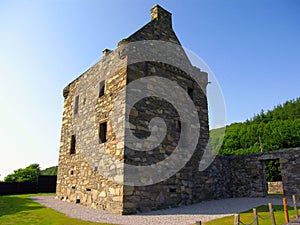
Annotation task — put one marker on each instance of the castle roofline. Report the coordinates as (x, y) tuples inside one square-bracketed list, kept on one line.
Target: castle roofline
[(159, 28)]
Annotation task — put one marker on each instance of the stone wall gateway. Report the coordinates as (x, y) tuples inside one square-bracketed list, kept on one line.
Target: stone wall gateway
[(248, 178), (244, 175)]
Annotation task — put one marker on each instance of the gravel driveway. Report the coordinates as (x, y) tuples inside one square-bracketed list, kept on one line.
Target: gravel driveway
[(183, 215)]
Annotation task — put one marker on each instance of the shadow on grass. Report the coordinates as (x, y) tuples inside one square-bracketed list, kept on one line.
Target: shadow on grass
[(13, 204)]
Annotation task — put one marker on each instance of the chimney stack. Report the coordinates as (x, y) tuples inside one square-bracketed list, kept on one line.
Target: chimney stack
[(106, 52), (161, 15)]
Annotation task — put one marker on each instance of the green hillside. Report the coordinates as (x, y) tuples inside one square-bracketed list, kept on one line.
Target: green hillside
[(49, 171), (272, 130)]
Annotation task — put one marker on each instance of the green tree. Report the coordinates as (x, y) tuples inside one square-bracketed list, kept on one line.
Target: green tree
[(273, 172), (30, 173), (272, 130), (51, 171)]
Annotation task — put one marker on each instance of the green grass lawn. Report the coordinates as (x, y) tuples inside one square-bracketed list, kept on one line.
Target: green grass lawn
[(19, 209), (247, 217)]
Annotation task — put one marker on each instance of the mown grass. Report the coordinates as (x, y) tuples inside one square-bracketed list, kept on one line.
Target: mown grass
[(20, 210), (276, 195), (263, 211)]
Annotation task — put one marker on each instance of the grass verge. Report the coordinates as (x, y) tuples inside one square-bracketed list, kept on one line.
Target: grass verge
[(20, 210), (263, 213)]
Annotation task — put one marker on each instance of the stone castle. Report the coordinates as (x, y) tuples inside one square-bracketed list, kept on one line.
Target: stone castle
[(95, 137)]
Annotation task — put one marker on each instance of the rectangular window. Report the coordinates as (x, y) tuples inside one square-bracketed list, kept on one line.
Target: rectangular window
[(102, 132), (73, 144), (182, 128), (190, 91), (101, 88), (76, 104), (179, 125)]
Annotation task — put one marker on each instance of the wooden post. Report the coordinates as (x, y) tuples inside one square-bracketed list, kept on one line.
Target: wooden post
[(260, 144), (295, 206), (198, 222), (236, 219), (272, 214), (255, 216), (286, 212)]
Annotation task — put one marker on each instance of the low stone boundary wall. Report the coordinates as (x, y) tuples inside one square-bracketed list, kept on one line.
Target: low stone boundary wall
[(248, 174)]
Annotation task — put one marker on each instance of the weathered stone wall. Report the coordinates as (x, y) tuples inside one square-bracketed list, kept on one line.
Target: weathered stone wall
[(275, 187), (78, 178), (179, 189), (215, 182), (159, 28), (247, 176), (248, 179), (92, 175), (244, 175)]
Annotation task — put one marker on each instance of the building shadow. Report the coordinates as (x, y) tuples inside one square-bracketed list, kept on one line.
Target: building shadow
[(13, 204)]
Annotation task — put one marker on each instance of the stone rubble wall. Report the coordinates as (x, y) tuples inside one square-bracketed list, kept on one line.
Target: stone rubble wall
[(79, 179), (180, 188), (275, 187), (93, 175), (159, 28), (248, 179)]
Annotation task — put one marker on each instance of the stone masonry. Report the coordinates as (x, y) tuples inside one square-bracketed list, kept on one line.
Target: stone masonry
[(248, 176), (95, 143), (93, 132)]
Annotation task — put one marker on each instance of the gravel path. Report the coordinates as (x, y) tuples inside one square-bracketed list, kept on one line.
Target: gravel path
[(294, 222), (184, 215)]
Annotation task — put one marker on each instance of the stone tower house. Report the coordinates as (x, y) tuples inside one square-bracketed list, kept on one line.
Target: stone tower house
[(94, 144)]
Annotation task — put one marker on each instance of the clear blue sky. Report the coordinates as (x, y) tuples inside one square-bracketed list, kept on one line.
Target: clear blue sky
[(253, 48)]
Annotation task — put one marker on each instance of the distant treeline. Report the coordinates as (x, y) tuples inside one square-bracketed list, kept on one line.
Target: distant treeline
[(51, 171), (30, 173), (272, 130)]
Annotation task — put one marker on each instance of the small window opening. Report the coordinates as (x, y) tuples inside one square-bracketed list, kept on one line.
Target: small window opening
[(179, 125), (102, 132), (182, 129), (76, 104), (77, 201), (88, 189), (172, 190), (190, 91), (101, 88), (73, 187), (73, 144), (72, 172)]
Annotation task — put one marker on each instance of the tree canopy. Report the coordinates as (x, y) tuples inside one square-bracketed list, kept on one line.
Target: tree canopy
[(30, 173), (51, 171), (272, 130)]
